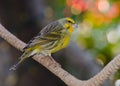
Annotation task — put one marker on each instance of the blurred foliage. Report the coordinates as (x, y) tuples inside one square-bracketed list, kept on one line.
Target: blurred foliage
[(99, 24)]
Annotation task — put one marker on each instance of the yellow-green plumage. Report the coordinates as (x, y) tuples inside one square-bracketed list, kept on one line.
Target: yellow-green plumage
[(52, 38)]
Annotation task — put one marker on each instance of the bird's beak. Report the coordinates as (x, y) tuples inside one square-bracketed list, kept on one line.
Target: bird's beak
[(75, 25)]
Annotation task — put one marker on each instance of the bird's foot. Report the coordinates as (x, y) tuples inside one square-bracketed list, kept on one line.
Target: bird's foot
[(54, 62), (47, 53)]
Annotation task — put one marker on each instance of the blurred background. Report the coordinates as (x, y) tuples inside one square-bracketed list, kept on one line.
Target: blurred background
[(94, 43)]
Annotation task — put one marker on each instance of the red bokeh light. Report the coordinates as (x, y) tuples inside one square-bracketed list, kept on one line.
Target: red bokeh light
[(114, 11), (80, 5)]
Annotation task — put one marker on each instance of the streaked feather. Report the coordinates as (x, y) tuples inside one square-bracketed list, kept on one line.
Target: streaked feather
[(50, 39), (51, 32)]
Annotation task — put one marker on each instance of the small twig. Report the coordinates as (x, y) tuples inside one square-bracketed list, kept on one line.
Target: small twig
[(70, 80)]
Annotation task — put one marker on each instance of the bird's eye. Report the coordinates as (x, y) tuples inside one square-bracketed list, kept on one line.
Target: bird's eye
[(69, 22)]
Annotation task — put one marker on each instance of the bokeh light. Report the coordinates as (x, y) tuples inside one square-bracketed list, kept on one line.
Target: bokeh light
[(103, 5), (77, 6)]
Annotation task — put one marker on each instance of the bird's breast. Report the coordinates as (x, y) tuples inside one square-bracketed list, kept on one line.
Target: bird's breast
[(60, 44), (65, 41)]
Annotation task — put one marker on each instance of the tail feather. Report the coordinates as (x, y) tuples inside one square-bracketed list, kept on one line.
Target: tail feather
[(23, 57), (14, 67)]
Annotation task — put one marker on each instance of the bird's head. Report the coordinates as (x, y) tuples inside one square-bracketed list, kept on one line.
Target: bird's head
[(68, 24)]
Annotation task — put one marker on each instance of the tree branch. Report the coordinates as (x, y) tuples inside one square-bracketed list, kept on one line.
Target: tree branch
[(70, 80)]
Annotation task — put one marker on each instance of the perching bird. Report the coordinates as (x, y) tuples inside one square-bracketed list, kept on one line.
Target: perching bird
[(53, 37)]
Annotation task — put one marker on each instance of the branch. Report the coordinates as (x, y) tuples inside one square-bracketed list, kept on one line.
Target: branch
[(70, 80)]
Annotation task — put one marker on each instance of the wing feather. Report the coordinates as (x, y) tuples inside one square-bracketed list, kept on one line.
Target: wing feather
[(51, 32)]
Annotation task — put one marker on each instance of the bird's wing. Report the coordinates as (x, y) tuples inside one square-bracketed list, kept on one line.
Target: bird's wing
[(51, 32)]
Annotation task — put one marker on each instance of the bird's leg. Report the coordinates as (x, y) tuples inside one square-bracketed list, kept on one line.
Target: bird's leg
[(47, 53)]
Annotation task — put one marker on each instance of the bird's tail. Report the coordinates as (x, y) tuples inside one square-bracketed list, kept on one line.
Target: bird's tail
[(22, 58), (25, 55), (14, 67)]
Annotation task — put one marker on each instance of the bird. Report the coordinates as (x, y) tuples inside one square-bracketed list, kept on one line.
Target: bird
[(52, 38)]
